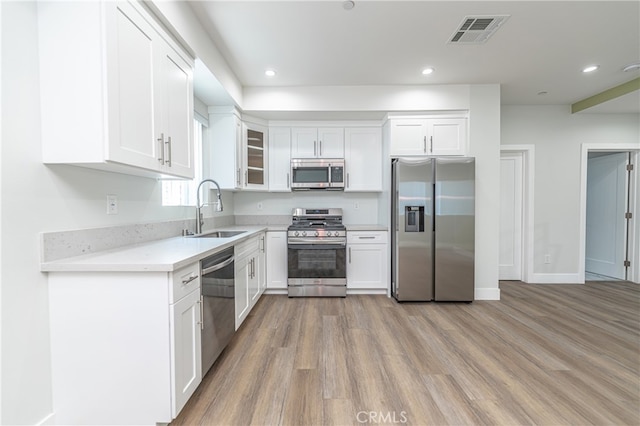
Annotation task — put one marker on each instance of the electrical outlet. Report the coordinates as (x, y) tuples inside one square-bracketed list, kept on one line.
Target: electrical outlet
[(259, 206), (112, 204), (356, 206), (547, 258)]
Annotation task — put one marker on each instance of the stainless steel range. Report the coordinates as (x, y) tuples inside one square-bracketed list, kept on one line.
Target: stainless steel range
[(316, 246)]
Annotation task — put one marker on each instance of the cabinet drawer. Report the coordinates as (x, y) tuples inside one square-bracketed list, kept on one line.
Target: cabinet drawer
[(366, 237), (184, 281), (247, 247)]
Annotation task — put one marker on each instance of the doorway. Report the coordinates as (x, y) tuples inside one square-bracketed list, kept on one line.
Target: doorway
[(608, 180), (517, 165), (511, 215), (614, 240)]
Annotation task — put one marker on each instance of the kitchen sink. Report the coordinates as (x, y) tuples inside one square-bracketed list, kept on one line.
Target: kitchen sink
[(219, 234)]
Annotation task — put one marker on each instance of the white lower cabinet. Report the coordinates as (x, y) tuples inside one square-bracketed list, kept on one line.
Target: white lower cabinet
[(243, 272), (249, 275), (277, 261), (367, 261), (125, 346), (185, 339)]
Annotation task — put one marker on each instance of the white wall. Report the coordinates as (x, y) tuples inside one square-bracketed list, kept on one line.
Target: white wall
[(484, 145), (557, 136), (38, 198)]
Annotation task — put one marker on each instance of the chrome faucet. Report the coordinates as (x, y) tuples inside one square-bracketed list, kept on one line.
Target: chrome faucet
[(218, 204)]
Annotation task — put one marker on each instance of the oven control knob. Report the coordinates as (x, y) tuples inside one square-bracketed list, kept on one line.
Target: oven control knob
[(296, 233), (328, 233), (304, 233), (316, 233)]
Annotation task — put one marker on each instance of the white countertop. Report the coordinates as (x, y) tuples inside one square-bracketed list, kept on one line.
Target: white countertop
[(155, 256)]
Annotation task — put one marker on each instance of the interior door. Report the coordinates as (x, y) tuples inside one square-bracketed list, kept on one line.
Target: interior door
[(606, 240), (510, 258)]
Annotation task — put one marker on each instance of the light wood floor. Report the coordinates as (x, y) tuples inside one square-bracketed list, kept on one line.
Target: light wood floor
[(544, 355)]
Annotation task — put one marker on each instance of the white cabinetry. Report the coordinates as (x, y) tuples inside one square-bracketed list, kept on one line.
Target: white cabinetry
[(186, 314), (367, 261), (311, 142), (118, 337), (279, 159), (255, 156), (225, 140), (123, 101), (239, 151), (249, 275), (428, 136), (363, 159), (277, 261)]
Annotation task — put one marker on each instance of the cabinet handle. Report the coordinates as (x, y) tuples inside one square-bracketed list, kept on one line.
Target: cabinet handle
[(425, 144), (347, 180), (315, 148), (431, 149), (320, 150), (188, 280), (246, 177), (238, 177), (262, 241), (287, 180), (366, 238), (161, 143), (349, 254), (168, 144), (201, 303)]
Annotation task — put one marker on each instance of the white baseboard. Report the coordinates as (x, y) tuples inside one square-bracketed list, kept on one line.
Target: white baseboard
[(538, 278), (487, 294)]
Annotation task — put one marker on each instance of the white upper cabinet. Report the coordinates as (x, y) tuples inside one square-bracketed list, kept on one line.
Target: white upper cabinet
[(363, 159), (123, 101), (279, 159), (310, 142), (225, 140), (428, 136), (239, 157), (255, 156)]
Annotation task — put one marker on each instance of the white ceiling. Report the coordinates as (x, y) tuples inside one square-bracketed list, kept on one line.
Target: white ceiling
[(542, 47)]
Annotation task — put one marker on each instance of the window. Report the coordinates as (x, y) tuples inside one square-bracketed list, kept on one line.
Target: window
[(183, 192)]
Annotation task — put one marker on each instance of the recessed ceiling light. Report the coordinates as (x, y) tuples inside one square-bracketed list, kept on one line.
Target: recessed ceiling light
[(270, 73), (591, 68), (348, 4), (428, 71), (632, 67)]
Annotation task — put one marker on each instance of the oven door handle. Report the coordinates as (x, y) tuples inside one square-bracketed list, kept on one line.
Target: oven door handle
[(316, 242)]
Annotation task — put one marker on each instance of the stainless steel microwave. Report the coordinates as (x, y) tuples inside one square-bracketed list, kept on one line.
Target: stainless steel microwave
[(317, 173)]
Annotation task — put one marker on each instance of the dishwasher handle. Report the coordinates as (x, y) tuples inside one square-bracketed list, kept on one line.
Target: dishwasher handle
[(218, 266)]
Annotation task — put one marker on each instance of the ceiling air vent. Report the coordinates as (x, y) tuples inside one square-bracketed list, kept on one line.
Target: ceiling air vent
[(477, 29)]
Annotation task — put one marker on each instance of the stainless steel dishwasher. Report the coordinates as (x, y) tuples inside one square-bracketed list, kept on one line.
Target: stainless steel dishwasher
[(218, 305)]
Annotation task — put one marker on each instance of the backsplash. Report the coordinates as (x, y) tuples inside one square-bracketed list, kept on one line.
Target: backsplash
[(63, 244)]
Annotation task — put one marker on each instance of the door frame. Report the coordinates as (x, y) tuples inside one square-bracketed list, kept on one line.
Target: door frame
[(528, 178), (633, 240)]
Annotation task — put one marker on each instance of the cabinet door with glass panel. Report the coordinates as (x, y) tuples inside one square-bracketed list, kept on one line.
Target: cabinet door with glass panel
[(255, 157)]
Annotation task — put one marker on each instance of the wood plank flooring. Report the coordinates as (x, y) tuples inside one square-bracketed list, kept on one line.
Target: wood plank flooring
[(543, 355)]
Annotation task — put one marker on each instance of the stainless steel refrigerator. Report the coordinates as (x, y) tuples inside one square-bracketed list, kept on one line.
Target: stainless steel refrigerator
[(433, 229)]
